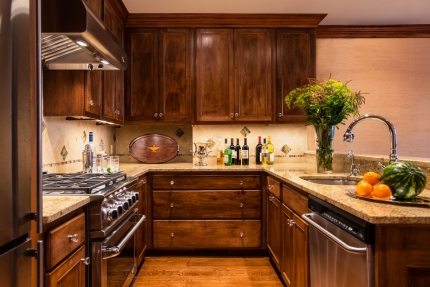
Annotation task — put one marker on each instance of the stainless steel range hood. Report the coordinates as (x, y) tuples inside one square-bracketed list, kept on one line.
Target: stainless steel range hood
[(69, 25)]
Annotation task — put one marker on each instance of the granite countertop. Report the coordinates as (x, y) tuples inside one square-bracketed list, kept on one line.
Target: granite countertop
[(56, 206), (373, 212)]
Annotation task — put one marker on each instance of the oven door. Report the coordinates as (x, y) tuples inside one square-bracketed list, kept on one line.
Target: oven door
[(114, 258)]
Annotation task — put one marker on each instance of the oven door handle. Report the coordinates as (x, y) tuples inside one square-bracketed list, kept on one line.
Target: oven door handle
[(112, 251), (332, 237)]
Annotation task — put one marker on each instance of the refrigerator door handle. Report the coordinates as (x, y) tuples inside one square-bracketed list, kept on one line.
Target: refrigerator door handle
[(39, 255)]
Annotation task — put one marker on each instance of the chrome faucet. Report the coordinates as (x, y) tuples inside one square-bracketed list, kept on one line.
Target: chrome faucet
[(349, 136), (353, 171)]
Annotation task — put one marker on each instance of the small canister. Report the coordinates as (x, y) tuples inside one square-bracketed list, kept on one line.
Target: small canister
[(87, 159)]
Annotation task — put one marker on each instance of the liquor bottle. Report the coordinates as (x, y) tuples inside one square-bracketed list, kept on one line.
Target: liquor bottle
[(219, 153), (227, 154), (93, 149), (264, 152), (102, 158), (237, 161), (258, 151), (270, 151), (245, 152), (233, 154)]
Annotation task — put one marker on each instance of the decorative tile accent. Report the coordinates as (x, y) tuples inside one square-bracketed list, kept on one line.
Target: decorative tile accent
[(179, 133), (211, 143), (245, 131), (84, 137), (64, 153), (285, 149)]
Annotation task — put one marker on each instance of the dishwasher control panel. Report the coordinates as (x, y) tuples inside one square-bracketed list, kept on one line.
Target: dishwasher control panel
[(353, 225)]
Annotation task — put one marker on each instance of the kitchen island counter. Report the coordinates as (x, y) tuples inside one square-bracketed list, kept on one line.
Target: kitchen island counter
[(291, 173)]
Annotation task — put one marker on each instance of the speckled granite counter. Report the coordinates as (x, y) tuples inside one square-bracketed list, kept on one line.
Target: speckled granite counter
[(373, 212), (56, 206)]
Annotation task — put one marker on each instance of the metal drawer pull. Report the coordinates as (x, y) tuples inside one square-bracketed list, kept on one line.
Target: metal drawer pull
[(73, 238), (291, 222), (332, 237), (91, 102), (241, 182), (155, 115), (231, 115), (86, 260), (172, 182), (161, 114), (270, 187), (241, 234), (171, 205), (236, 114), (241, 205), (172, 234)]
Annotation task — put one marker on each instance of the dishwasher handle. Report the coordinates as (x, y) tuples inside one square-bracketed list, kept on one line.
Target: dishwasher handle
[(330, 236)]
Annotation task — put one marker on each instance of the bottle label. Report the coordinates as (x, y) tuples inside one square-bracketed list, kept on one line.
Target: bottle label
[(245, 154), (233, 155), (225, 158), (272, 157)]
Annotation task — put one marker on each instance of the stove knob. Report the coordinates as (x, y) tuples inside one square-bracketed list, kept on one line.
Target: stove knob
[(113, 214), (125, 205), (119, 208), (136, 195)]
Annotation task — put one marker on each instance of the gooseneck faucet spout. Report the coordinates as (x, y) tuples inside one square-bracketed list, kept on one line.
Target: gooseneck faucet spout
[(349, 136)]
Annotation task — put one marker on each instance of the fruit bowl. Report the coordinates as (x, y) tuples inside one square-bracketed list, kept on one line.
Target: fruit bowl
[(417, 201)]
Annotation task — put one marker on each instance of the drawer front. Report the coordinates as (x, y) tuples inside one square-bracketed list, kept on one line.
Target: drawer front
[(294, 200), (171, 182), (206, 204), (61, 241), (192, 234), (274, 187)]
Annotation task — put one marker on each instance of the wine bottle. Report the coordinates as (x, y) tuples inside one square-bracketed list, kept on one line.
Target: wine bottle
[(227, 154), (264, 152), (245, 152), (219, 153), (237, 149), (233, 154), (258, 151), (270, 151)]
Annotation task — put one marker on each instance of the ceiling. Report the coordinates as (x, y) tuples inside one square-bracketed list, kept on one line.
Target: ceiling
[(340, 12)]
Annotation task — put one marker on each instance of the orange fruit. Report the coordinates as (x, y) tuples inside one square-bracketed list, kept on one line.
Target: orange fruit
[(381, 191), (371, 177), (364, 188)]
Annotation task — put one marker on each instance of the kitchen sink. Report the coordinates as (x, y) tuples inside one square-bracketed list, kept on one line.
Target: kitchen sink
[(331, 181)]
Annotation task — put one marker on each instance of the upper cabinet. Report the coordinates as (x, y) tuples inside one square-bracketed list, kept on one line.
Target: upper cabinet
[(295, 53), (160, 76), (234, 75)]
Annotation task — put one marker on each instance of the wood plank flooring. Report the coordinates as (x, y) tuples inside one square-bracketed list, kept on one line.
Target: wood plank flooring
[(187, 271)]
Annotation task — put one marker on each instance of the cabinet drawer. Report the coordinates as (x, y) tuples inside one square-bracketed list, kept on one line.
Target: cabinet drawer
[(274, 187), (191, 234), (294, 200), (206, 204), (171, 182), (62, 240)]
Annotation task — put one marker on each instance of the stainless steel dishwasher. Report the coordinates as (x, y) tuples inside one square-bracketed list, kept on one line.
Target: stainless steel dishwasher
[(340, 247)]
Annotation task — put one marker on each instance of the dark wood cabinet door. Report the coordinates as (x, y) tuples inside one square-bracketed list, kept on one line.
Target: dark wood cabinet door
[(93, 92), (96, 6), (274, 245), (253, 74), (301, 252), (295, 63), (214, 75), (142, 76), (175, 73), (287, 264), (142, 232), (71, 272)]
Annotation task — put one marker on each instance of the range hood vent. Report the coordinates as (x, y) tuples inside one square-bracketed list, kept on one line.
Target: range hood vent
[(74, 38)]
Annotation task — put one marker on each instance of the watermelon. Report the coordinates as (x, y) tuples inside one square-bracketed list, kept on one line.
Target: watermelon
[(405, 179)]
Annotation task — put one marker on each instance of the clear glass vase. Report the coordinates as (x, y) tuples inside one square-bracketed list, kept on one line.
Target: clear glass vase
[(324, 150)]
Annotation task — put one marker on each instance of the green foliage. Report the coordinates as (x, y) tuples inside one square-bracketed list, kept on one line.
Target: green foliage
[(325, 103)]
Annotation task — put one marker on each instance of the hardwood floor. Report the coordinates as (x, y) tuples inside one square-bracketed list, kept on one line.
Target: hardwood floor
[(187, 271)]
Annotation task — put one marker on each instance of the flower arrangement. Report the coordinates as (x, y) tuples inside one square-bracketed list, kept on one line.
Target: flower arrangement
[(325, 104)]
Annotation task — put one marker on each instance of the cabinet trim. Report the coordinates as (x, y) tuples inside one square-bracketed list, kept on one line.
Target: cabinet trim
[(367, 31)]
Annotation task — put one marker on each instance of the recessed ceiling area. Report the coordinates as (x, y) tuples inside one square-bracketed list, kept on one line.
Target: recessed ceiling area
[(340, 12)]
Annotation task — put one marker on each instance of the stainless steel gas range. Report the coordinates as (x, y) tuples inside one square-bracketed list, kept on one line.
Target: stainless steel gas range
[(112, 225)]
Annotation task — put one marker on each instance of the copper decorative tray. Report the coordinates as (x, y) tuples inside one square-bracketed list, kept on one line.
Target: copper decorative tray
[(417, 201)]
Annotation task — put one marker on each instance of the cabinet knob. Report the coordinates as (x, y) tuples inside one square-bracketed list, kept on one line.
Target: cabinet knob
[(91, 102), (291, 222), (86, 260), (143, 181), (172, 234), (171, 205), (270, 198), (236, 114), (73, 238), (241, 205), (270, 187), (172, 182), (155, 115), (160, 115), (241, 234), (241, 182), (231, 115), (280, 114), (117, 112)]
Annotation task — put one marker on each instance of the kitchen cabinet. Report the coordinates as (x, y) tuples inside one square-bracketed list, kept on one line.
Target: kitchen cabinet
[(65, 255), (234, 75), (96, 6), (160, 76), (206, 211), (142, 232), (295, 64), (273, 217), (295, 240)]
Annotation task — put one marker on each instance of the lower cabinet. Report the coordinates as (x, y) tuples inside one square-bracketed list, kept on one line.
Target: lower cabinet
[(142, 232), (295, 253), (274, 243)]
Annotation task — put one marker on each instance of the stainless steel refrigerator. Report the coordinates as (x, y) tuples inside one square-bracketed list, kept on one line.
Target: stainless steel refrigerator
[(19, 122)]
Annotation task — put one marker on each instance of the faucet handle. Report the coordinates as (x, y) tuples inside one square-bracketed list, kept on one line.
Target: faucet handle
[(350, 153), (381, 165)]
